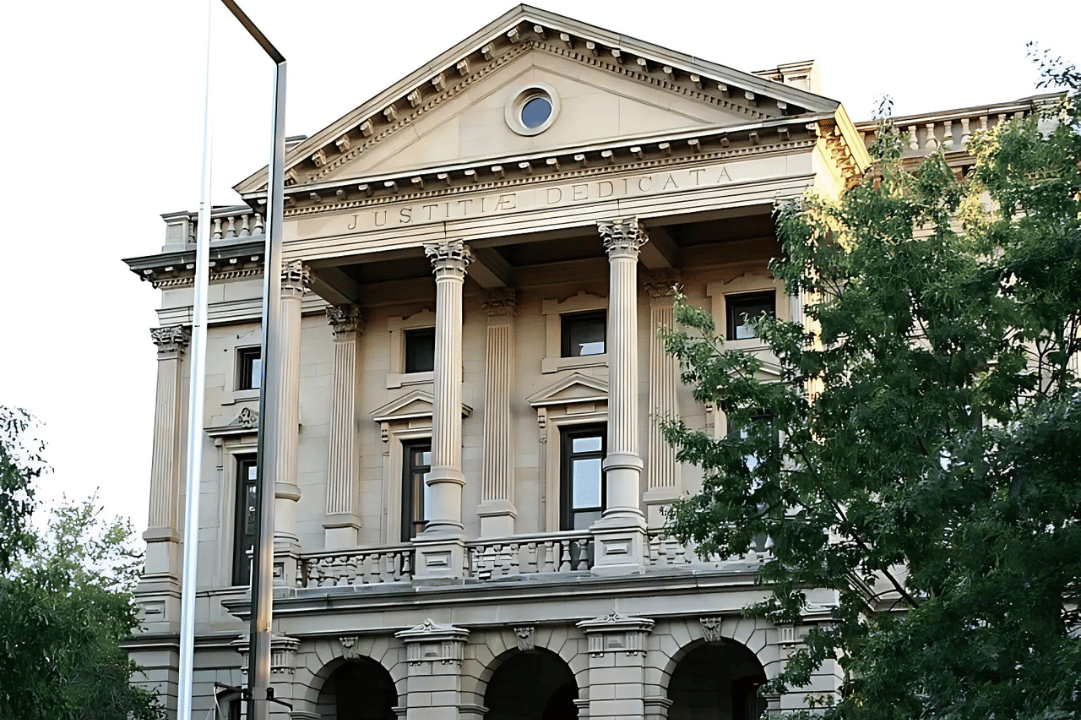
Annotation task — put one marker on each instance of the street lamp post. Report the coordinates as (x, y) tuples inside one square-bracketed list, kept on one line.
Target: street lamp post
[(262, 580)]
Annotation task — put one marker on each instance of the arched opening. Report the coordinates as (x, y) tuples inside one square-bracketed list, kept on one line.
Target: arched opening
[(718, 681), (534, 685), (358, 690)]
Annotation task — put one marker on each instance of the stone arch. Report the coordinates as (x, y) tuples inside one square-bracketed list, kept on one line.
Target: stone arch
[(487, 650), (535, 684), (357, 688), (317, 661), (682, 636), (714, 678)]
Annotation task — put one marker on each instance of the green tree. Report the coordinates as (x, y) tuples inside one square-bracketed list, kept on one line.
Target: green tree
[(20, 464), (922, 456), (65, 606)]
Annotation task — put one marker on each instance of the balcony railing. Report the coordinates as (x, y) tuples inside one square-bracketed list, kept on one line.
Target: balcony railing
[(666, 551), (540, 554), (368, 566)]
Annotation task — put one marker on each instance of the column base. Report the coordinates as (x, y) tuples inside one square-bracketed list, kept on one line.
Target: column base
[(341, 532), (620, 547), (657, 501), (439, 558), (162, 556), (496, 518)]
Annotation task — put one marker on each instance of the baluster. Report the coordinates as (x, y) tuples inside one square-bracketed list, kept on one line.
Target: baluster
[(230, 227), (216, 234), (913, 141), (245, 230), (407, 564), (377, 568), (583, 554), (353, 567), (965, 136), (515, 560), (983, 123), (947, 135), (549, 557), (565, 559), (395, 565), (531, 558), (258, 230), (930, 143)]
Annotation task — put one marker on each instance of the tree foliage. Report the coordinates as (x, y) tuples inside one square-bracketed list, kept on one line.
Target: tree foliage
[(20, 464), (921, 462), (65, 602)]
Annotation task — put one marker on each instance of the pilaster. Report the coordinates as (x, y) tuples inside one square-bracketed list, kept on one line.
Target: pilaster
[(620, 534), (159, 590), (434, 687), (497, 512), (617, 650), (440, 548), (343, 521), (663, 482)]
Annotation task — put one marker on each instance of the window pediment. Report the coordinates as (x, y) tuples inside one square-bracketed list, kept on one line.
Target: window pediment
[(411, 406), (575, 388)]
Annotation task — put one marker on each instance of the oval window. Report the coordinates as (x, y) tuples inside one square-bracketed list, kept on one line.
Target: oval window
[(536, 111)]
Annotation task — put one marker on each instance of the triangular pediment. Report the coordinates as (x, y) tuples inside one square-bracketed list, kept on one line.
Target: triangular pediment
[(575, 388), (411, 406), (605, 87)]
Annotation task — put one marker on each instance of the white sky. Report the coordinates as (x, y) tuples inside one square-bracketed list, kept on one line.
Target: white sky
[(104, 120)]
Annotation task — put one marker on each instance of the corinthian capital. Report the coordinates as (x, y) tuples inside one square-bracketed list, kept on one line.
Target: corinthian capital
[(345, 319), (171, 340), (295, 277), (451, 256), (622, 235)]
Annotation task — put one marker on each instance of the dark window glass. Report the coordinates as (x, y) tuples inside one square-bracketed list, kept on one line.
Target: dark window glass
[(536, 111), (583, 333), (743, 309), (420, 350), (582, 480), (416, 464), (244, 529), (250, 369)]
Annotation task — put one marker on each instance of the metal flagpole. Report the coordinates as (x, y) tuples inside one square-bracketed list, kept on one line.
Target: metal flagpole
[(196, 394), (262, 579)]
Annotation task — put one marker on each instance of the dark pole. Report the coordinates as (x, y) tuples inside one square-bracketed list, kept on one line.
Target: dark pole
[(262, 578)]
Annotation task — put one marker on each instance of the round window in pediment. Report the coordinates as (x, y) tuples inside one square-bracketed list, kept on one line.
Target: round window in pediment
[(532, 110)]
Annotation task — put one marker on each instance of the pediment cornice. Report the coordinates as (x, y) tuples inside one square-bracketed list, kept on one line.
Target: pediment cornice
[(524, 28), (414, 405)]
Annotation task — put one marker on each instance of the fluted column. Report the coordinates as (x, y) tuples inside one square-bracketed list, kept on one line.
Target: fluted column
[(662, 470), (497, 511), (166, 463), (449, 262), (343, 520), (620, 537), (281, 455)]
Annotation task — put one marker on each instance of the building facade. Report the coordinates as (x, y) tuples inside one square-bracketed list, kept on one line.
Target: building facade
[(469, 514)]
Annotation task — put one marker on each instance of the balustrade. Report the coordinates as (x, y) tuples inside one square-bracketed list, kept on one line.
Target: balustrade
[(666, 551), (550, 553), (371, 566)]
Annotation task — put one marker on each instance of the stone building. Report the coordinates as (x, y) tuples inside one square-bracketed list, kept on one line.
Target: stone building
[(469, 520)]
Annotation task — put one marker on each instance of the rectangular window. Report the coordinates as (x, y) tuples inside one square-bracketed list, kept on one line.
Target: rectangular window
[(420, 350), (582, 481), (744, 309), (583, 333), (244, 527), (249, 368), (416, 464)]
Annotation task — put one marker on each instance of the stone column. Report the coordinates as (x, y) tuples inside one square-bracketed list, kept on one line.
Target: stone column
[(620, 533), (343, 519), (440, 548), (280, 462), (496, 511), (434, 687), (617, 652), (662, 471)]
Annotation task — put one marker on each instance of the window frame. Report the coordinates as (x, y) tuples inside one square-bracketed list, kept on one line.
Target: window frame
[(566, 323), (554, 311), (409, 508), (567, 435), (734, 302), (409, 336), (247, 378), (240, 570)]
